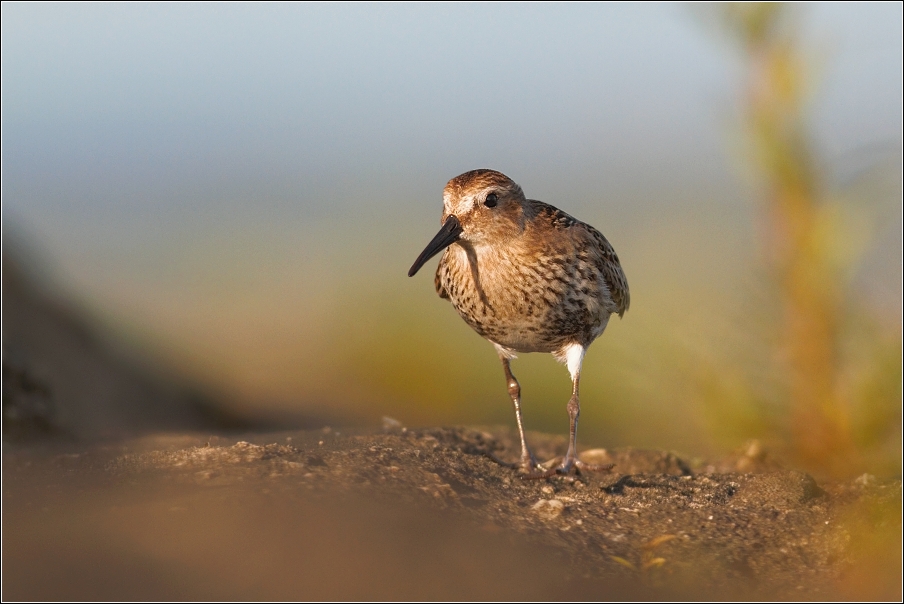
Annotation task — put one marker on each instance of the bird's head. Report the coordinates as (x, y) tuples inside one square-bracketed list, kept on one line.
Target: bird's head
[(479, 207)]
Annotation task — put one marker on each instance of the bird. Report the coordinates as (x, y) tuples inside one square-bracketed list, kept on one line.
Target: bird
[(528, 277)]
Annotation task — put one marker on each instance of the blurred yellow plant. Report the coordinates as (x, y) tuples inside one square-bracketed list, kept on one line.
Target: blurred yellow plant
[(812, 243)]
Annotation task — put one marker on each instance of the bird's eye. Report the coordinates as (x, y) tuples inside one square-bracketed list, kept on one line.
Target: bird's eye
[(491, 200)]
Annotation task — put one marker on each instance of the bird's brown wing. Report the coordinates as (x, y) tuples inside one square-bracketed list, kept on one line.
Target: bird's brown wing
[(603, 254), (551, 216), (608, 264)]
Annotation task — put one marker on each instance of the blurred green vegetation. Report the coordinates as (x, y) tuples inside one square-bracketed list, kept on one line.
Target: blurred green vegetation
[(835, 378)]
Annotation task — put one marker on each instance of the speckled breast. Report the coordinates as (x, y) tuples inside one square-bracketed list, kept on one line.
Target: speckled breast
[(535, 302)]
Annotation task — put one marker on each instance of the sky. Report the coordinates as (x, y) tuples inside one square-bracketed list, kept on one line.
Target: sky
[(122, 122)]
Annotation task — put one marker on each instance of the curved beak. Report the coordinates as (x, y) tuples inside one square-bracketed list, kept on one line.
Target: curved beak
[(447, 235)]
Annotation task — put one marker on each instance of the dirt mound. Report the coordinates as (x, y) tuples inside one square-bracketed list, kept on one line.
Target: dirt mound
[(411, 514)]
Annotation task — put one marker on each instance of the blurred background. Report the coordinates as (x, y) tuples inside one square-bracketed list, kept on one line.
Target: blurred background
[(232, 195)]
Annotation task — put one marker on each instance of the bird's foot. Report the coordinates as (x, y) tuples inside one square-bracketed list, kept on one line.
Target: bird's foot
[(568, 465)]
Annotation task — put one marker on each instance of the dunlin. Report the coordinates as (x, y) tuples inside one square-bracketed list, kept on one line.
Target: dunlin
[(529, 278)]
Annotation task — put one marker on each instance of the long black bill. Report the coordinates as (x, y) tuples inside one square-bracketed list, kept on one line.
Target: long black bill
[(447, 235)]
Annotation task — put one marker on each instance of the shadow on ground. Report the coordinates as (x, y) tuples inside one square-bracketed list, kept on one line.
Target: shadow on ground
[(425, 514)]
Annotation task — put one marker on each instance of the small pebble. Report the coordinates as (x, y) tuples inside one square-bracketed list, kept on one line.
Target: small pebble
[(548, 509), (391, 423), (865, 480)]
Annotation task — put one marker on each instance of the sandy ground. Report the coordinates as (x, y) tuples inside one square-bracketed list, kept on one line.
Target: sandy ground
[(424, 514)]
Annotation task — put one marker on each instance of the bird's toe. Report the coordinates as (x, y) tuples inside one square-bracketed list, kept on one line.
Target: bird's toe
[(568, 465)]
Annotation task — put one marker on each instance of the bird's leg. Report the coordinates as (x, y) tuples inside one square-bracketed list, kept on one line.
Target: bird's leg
[(570, 461), (528, 462), (574, 357), (571, 458), (574, 412)]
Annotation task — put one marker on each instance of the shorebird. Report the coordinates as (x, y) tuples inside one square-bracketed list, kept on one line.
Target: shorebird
[(529, 278)]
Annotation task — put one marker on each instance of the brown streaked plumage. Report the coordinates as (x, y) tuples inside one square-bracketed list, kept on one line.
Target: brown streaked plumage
[(527, 277)]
